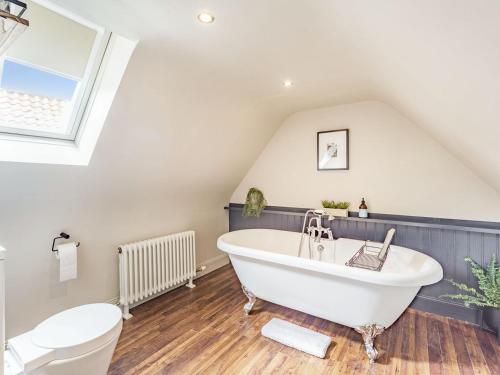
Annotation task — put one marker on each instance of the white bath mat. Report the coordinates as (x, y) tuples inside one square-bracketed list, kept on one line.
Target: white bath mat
[(297, 337)]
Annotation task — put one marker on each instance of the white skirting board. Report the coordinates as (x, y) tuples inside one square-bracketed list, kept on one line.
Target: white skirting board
[(211, 265)]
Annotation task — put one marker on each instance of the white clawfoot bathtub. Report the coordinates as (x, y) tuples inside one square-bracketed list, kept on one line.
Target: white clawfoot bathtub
[(268, 267)]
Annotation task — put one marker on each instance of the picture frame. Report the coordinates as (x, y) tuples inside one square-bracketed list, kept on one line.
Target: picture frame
[(333, 150)]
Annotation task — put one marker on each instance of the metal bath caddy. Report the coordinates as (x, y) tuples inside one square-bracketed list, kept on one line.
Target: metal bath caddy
[(372, 257)]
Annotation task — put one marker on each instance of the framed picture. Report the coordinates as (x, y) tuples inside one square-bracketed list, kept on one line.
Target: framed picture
[(333, 150)]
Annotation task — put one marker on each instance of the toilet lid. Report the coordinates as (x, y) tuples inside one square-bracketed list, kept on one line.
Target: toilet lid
[(79, 330)]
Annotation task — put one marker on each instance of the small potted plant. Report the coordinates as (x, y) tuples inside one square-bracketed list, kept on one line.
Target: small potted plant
[(337, 209), (488, 296), (254, 203)]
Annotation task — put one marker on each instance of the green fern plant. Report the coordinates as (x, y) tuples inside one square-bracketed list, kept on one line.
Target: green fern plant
[(489, 285), (254, 203)]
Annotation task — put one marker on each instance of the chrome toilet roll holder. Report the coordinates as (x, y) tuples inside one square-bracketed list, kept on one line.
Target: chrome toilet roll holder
[(61, 235)]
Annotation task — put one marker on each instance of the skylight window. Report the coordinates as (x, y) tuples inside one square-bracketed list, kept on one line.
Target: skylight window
[(47, 75), (58, 80)]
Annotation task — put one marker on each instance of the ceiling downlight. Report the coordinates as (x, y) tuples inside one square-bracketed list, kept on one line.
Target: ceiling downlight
[(206, 17)]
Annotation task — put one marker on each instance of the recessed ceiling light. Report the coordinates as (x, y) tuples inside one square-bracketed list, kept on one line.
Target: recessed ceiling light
[(205, 17), (287, 83)]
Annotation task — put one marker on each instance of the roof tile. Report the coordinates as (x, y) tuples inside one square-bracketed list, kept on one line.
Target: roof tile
[(33, 112)]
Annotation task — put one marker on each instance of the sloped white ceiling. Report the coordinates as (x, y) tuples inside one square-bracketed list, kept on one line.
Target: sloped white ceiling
[(436, 62)]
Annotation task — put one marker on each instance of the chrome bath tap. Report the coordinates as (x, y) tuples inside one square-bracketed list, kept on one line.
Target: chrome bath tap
[(315, 231)]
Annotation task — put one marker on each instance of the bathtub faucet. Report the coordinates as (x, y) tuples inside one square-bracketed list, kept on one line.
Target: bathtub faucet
[(315, 230)]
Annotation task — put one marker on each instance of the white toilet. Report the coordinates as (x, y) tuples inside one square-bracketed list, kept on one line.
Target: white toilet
[(78, 341)]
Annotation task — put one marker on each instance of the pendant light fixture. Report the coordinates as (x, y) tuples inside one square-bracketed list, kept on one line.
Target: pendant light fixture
[(11, 23)]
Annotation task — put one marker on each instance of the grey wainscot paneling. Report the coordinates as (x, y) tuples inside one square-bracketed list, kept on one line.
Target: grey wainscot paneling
[(447, 241)]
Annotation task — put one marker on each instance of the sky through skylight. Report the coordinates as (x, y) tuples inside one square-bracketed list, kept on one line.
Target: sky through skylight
[(26, 79)]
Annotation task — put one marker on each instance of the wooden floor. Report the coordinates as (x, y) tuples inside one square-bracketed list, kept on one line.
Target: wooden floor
[(205, 331)]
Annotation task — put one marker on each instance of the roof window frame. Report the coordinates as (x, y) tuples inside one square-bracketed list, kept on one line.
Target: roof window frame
[(84, 88)]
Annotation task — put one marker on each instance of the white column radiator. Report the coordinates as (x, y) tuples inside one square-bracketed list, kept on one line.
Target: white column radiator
[(156, 265)]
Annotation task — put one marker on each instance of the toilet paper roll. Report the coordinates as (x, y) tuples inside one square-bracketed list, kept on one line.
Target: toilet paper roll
[(67, 255)]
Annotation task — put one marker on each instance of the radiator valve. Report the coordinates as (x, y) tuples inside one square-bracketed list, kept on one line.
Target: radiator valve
[(201, 268)]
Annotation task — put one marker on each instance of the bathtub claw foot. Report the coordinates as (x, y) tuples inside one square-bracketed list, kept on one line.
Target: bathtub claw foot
[(369, 333), (251, 300)]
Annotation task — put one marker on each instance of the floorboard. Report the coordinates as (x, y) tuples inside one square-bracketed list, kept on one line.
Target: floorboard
[(205, 331)]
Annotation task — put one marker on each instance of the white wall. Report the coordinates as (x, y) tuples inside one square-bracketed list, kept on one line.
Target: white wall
[(397, 167)]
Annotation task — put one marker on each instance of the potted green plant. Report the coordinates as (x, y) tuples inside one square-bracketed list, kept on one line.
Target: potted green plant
[(488, 295), (254, 203), (338, 209)]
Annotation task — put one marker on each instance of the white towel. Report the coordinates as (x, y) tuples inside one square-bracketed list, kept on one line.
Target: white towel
[(66, 253), (303, 339)]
